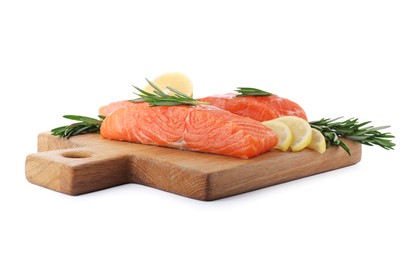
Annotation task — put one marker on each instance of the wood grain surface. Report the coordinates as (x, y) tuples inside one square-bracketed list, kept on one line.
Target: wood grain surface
[(87, 163)]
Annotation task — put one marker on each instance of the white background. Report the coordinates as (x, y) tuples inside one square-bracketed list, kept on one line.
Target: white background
[(335, 58)]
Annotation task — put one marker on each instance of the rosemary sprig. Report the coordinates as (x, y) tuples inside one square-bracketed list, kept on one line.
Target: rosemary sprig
[(159, 98), (351, 129), (83, 126), (251, 92)]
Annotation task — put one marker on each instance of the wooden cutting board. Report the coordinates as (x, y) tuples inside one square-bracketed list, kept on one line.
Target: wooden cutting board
[(87, 163)]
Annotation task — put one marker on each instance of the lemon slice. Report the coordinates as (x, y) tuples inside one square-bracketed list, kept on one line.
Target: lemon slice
[(300, 129), (175, 80), (318, 142), (283, 132)]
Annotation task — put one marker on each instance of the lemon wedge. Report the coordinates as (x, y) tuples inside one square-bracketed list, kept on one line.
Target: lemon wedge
[(300, 129), (176, 80), (318, 142), (283, 132)]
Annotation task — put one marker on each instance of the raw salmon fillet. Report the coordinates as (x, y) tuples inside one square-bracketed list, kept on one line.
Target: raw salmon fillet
[(261, 108), (196, 128)]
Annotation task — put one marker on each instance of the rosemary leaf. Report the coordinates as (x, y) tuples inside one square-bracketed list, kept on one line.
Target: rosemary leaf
[(351, 129), (83, 125), (251, 92), (159, 98)]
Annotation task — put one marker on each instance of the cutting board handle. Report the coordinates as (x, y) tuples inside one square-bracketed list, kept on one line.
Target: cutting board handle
[(77, 170)]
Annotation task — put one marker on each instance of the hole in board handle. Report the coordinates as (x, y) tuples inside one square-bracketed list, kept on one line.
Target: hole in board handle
[(77, 154)]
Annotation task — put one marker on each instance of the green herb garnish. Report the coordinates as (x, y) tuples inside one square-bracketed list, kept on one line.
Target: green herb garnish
[(159, 98), (353, 130), (251, 92), (83, 126)]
